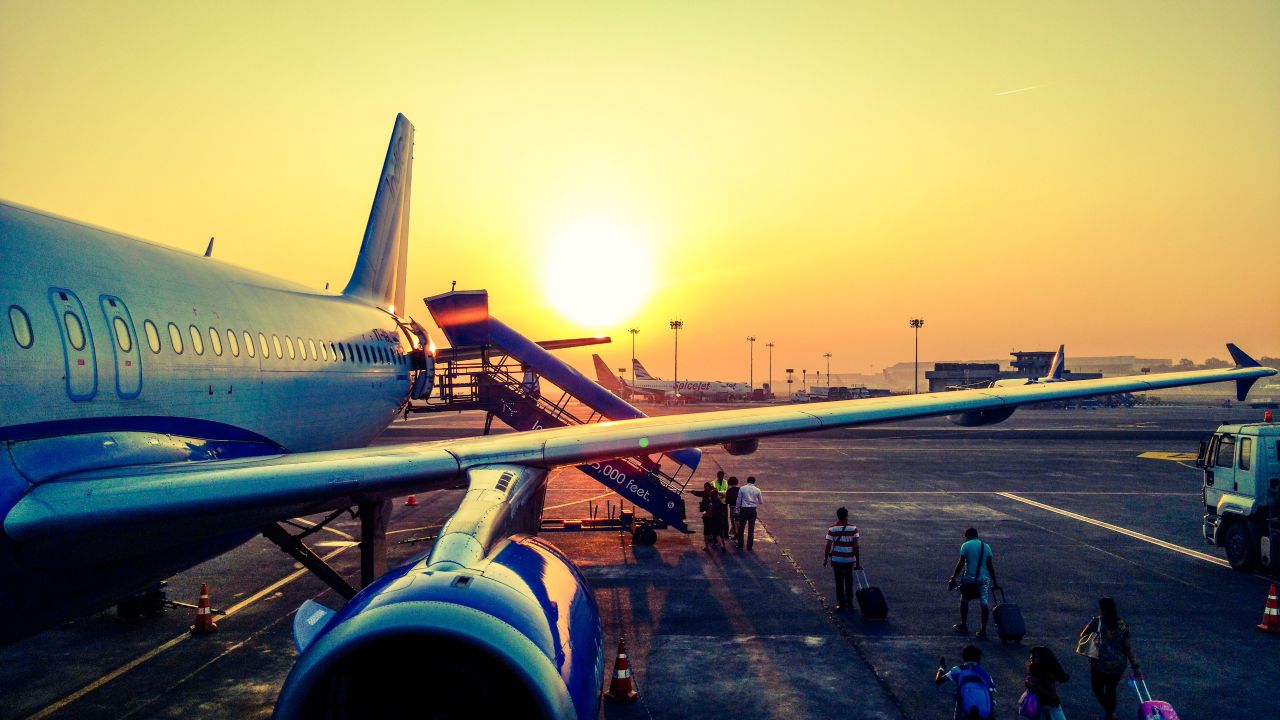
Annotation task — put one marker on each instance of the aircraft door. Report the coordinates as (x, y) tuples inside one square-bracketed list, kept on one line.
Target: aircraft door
[(124, 347), (77, 344)]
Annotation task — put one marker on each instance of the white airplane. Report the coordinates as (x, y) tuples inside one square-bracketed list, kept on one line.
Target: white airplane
[(158, 408), (655, 388)]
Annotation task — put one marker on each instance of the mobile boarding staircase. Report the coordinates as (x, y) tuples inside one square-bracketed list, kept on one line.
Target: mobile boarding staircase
[(493, 368)]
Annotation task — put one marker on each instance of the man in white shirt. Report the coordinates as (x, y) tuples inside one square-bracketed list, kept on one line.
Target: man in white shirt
[(749, 500)]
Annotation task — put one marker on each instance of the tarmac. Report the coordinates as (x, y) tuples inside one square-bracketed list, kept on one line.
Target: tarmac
[(1070, 505)]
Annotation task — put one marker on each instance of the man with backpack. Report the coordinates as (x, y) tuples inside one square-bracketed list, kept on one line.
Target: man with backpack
[(973, 685)]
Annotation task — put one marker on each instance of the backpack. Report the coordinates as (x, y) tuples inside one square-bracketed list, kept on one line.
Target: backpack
[(973, 697), (1111, 655)]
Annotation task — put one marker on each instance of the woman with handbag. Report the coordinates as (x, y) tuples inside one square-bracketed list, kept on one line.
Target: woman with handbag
[(1106, 642), (1041, 700)]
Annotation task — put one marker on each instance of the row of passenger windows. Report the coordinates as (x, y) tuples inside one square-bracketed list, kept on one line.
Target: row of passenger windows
[(194, 339)]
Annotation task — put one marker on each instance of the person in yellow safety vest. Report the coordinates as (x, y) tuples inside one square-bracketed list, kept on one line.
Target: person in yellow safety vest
[(721, 487)]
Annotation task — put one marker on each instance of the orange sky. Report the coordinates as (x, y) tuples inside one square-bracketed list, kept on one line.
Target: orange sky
[(1100, 174)]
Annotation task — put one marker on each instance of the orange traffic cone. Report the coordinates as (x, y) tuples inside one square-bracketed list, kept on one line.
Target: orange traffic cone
[(411, 501), (622, 688), (1271, 613), (204, 618)]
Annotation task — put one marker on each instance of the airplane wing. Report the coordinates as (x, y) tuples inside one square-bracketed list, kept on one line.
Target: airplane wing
[(202, 499)]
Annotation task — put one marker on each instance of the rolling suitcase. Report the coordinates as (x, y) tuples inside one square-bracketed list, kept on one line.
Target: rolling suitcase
[(1150, 709), (1008, 617), (870, 600)]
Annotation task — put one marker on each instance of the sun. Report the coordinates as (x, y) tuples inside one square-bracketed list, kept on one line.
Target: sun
[(597, 271)]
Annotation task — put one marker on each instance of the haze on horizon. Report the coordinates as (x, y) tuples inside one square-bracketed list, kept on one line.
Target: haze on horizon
[(1020, 175)]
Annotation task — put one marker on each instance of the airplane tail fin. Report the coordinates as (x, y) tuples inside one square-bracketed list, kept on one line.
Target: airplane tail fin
[(1059, 361), (638, 372), (605, 376), (379, 275)]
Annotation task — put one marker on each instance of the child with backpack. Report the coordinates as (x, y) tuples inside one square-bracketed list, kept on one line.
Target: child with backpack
[(973, 685)]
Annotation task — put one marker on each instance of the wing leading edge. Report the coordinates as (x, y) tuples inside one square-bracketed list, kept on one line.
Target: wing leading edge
[(135, 503)]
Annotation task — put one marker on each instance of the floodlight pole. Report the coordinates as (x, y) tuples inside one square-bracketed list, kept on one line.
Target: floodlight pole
[(675, 372), (634, 332), (916, 324), (770, 346), (828, 357), (751, 362)]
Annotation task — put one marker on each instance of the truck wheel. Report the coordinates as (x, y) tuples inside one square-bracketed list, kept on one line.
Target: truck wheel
[(1241, 550)]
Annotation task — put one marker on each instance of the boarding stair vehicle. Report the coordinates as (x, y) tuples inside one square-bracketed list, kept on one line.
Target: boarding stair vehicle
[(492, 368), (1241, 490)]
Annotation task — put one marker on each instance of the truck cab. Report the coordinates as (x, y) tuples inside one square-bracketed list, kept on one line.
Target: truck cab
[(1241, 466)]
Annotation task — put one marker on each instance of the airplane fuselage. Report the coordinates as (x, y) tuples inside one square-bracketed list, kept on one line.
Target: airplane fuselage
[(115, 351)]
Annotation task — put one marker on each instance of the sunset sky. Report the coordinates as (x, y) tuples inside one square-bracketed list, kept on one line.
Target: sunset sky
[(1105, 175)]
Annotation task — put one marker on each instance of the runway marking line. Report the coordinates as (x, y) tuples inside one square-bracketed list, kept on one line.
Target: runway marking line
[(1117, 529), (170, 644)]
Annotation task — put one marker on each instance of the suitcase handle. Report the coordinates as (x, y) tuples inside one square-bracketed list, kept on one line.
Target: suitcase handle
[(1139, 684), (1000, 590), (861, 576)]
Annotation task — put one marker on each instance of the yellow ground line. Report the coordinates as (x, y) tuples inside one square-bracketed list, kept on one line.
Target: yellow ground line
[(1122, 531), (1161, 455), (67, 700), (333, 530)]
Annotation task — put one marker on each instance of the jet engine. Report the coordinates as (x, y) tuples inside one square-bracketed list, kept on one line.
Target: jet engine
[(516, 635), (494, 623), (976, 418)]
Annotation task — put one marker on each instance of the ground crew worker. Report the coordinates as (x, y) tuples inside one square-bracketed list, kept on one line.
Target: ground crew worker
[(842, 553), (749, 501), (722, 488)]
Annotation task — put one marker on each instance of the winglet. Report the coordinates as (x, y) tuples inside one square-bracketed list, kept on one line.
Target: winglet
[(1242, 360), (208, 252), (1059, 361)]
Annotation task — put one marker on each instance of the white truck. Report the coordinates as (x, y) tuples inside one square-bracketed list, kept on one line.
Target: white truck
[(1241, 465)]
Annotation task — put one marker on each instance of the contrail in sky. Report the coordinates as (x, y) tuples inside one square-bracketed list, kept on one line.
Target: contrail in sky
[(1010, 92)]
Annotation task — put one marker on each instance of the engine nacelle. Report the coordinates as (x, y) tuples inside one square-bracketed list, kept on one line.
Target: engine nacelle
[(517, 635), (976, 418), (741, 447)]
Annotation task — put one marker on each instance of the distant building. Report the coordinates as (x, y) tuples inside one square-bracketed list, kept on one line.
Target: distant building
[(949, 375), (1034, 364)]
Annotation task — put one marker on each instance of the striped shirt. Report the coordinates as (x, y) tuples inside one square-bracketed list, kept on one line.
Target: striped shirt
[(844, 542)]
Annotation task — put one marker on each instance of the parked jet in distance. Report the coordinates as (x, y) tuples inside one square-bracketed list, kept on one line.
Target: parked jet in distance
[(658, 390), (158, 408)]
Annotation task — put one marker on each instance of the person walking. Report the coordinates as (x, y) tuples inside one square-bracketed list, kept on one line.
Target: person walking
[(1106, 642), (979, 577), (731, 501), (749, 501), (710, 517), (973, 685), (842, 553), (1044, 672)]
